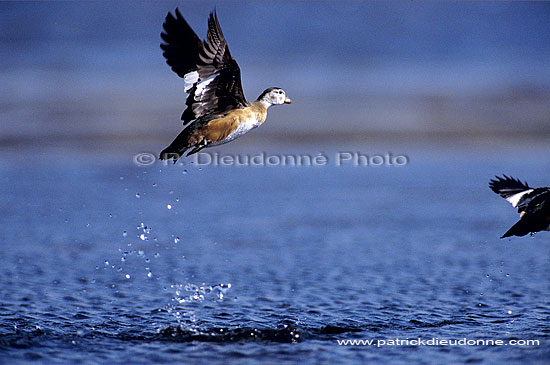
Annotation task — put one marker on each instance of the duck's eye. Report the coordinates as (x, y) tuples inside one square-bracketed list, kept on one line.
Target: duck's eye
[(280, 91)]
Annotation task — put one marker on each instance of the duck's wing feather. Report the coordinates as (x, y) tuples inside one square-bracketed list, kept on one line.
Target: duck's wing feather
[(212, 77), (511, 189), (182, 45)]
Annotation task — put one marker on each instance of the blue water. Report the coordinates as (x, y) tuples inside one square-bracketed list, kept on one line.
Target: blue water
[(107, 262)]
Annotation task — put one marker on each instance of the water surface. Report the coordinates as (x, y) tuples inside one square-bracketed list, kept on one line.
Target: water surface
[(105, 261)]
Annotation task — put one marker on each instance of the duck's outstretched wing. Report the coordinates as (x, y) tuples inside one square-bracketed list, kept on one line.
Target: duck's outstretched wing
[(511, 189), (182, 45), (212, 77)]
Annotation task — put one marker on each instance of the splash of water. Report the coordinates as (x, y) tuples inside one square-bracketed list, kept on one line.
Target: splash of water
[(186, 294)]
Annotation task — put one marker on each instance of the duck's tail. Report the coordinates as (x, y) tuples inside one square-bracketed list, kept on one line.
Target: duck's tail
[(177, 148), (520, 229)]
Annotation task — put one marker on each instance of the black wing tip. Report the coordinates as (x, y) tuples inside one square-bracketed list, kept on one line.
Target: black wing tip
[(214, 24), (506, 183), (170, 18), (170, 21), (176, 12), (164, 35), (214, 14), (180, 44)]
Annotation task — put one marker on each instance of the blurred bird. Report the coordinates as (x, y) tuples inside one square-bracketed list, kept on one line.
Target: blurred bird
[(533, 205), (217, 111)]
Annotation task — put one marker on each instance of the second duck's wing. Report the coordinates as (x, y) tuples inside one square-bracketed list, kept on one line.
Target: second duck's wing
[(511, 189)]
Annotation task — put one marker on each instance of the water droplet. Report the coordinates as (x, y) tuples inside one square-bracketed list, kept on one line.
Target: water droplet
[(507, 275), (143, 237), (154, 185), (184, 172), (171, 192), (138, 195), (106, 262), (124, 234), (123, 259), (141, 252), (149, 274), (169, 206), (176, 240), (121, 178), (509, 312), (127, 276), (110, 215), (157, 255)]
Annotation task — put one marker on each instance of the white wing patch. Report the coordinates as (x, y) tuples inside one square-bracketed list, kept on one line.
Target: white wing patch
[(514, 199), (202, 85), (189, 80)]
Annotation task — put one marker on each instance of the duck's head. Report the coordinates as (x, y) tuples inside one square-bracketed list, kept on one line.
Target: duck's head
[(273, 96)]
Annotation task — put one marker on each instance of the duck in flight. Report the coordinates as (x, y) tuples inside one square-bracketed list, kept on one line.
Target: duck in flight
[(217, 111), (532, 204)]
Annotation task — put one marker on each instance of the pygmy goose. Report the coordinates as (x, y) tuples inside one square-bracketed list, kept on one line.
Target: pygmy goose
[(217, 111), (533, 204)]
